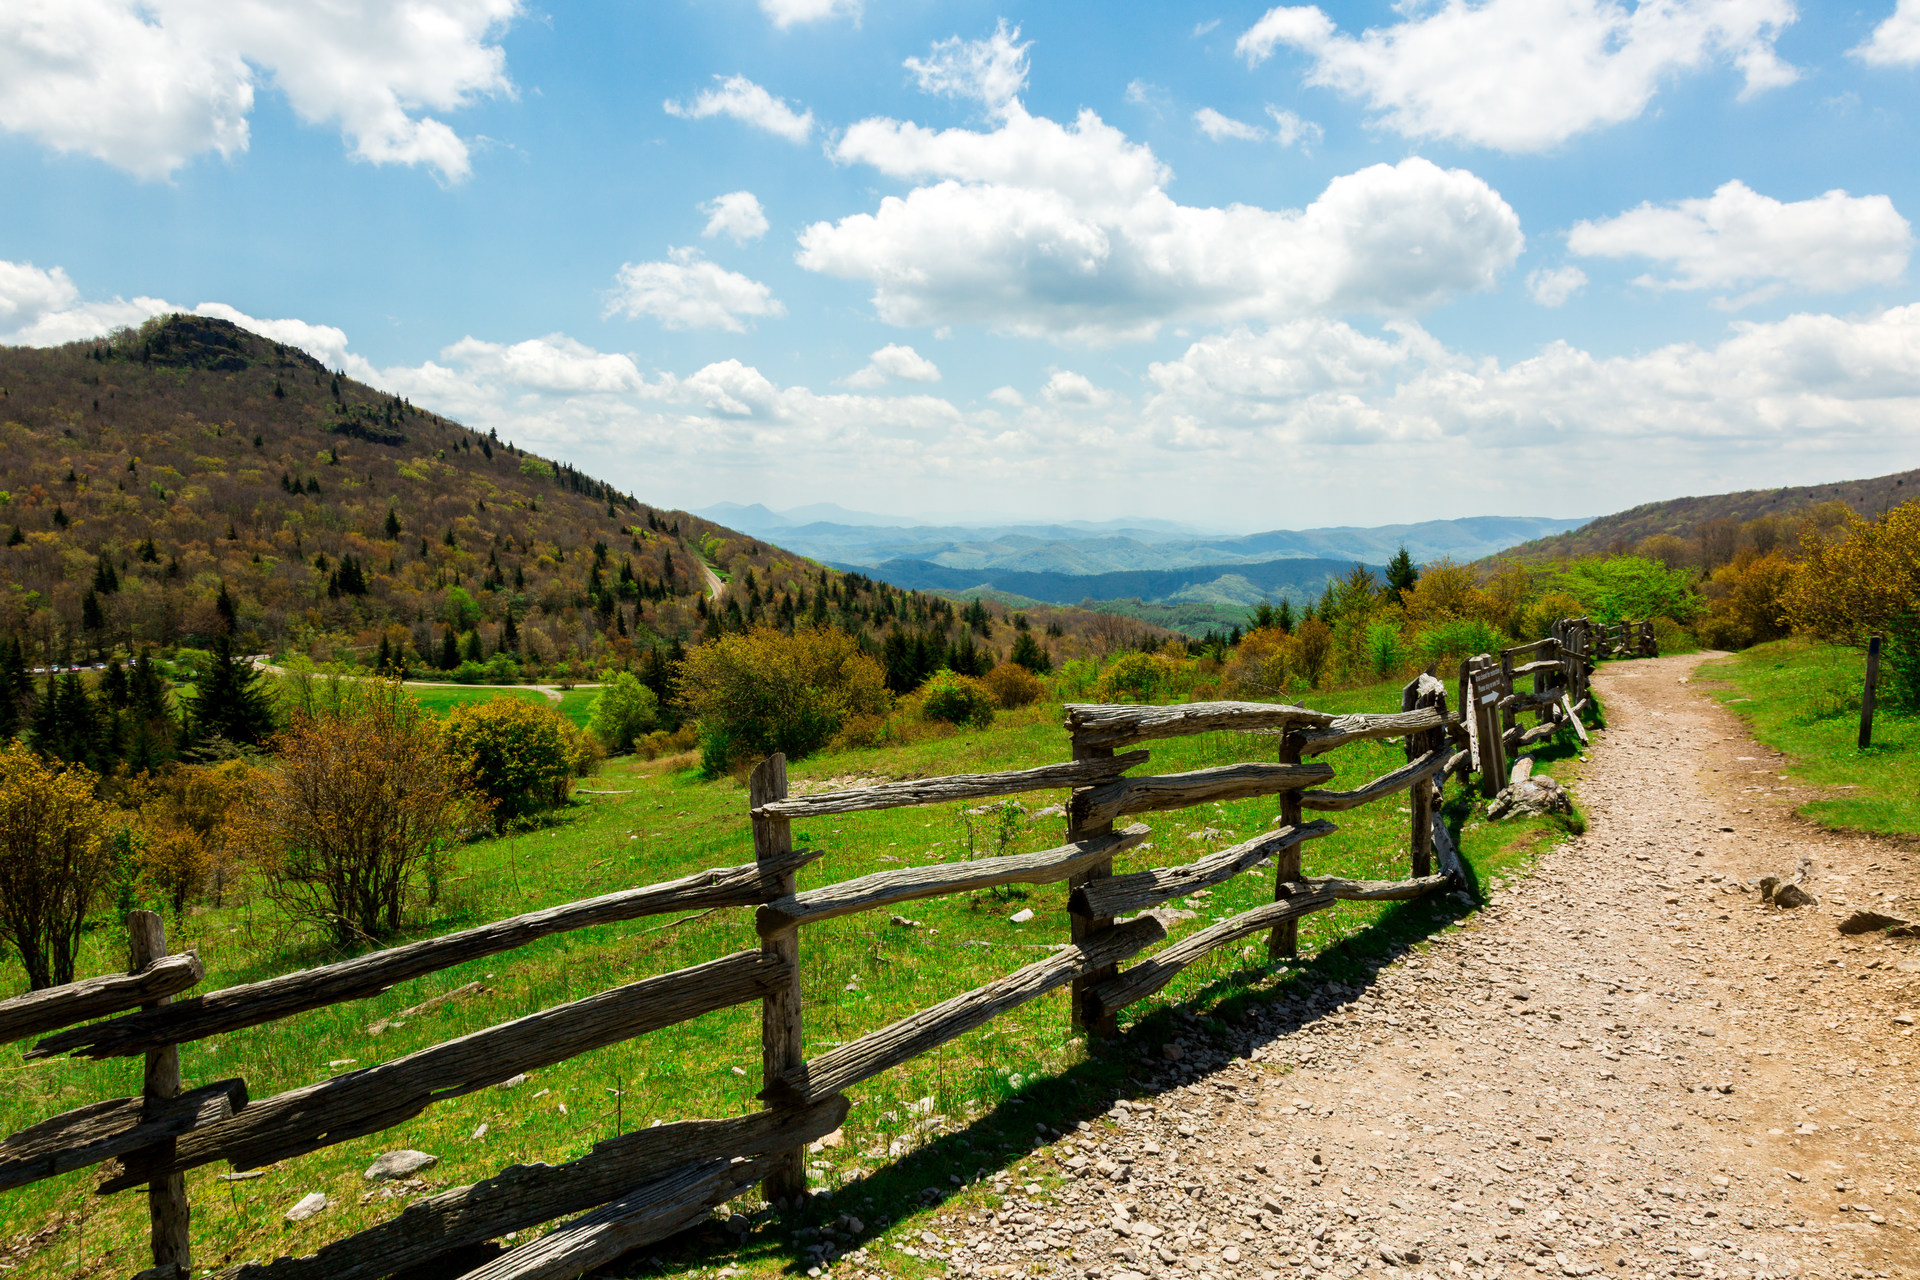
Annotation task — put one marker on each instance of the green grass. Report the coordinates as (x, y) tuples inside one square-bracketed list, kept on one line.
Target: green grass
[(1803, 699), (440, 699), (859, 973)]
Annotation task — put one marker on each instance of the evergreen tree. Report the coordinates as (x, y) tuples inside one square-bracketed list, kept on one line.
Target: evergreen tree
[(105, 580), (384, 660), (113, 685), (16, 688), (474, 652), (449, 650), (223, 606), (1283, 618), (66, 725), (393, 523), (92, 619), (1028, 653), (231, 704), (509, 634), (1401, 574)]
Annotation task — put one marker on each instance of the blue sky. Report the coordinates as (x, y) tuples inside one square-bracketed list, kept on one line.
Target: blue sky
[(1243, 266)]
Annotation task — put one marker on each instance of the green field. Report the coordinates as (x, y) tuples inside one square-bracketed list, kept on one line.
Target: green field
[(859, 973), (1803, 698), (442, 698)]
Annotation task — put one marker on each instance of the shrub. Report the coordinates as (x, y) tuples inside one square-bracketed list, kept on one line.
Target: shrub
[(759, 691), (662, 743), (1617, 588), (623, 711), (186, 843), (1384, 652), (1745, 603), (356, 810), (1013, 684), (1443, 646), (1312, 645), (956, 699), (1261, 665), (54, 862), (522, 757), (1134, 677), (1859, 578)]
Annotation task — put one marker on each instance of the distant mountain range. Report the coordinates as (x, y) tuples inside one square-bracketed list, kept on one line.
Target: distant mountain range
[(1084, 548)]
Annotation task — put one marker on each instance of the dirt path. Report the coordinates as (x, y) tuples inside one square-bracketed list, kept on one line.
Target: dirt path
[(1625, 1064)]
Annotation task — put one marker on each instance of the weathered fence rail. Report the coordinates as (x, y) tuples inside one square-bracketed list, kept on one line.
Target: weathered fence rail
[(640, 1187)]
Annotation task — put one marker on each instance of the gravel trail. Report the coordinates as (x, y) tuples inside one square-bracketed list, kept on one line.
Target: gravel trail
[(1625, 1065)]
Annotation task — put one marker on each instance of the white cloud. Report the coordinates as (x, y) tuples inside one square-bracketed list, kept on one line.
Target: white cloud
[(894, 361), (1068, 232), (1737, 238), (554, 364), (787, 13), (323, 342), (147, 85), (1074, 390), (748, 103), (1518, 75), (689, 292), (1007, 396), (1220, 128), (1289, 128), (991, 72), (1551, 287), (1896, 41), (737, 214)]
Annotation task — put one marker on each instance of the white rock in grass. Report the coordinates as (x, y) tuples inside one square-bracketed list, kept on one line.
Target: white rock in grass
[(399, 1164), (1021, 916), (311, 1203), (513, 1081)]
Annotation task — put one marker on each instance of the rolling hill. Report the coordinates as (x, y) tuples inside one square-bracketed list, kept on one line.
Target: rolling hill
[(1683, 517)]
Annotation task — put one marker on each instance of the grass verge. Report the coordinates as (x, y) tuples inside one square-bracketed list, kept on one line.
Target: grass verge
[(1802, 698)]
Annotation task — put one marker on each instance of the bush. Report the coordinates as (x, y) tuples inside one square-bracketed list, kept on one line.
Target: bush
[(1621, 588), (1133, 677), (54, 862), (356, 812), (1745, 603), (522, 757), (759, 691), (662, 743), (1858, 579), (956, 699), (1312, 645), (623, 711), (1384, 653), (1443, 646), (1013, 684)]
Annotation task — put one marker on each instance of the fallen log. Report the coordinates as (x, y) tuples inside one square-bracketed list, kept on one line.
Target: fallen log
[(963, 786), (233, 1008), (1115, 725), (908, 883), (862, 1059), (90, 998), (113, 1128), (1104, 803), (356, 1103), (526, 1195), (658, 1209), (1119, 895), (1385, 785)]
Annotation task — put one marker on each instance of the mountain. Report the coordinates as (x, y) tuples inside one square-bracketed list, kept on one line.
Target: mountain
[(1683, 517), (190, 478), (1299, 579), (1118, 546)]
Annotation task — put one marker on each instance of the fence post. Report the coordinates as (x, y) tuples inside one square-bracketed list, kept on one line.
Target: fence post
[(1867, 692), (167, 1195), (1283, 940), (1420, 799), (782, 1047), (1086, 1013)]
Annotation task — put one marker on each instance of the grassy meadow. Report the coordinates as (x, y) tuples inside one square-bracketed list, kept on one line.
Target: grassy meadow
[(1803, 698), (642, 822)]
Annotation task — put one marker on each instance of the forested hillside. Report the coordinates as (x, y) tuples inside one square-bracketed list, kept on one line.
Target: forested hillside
[(191, 479)]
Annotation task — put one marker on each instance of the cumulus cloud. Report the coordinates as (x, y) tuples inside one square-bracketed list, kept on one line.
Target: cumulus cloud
[(1220, 127), (1552, 286), (323, 342), (147, 85), (1737, 238), (991, 72), (1074, 390), (737, 214), (1896, 41), (688, 292), (1007, 396), (1068, 232), (745, 101), (1289, 128), (788, 13), (894, 361), (1517, 75)]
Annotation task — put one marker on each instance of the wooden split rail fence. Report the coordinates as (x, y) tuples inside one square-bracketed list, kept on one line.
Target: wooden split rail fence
[(640, 1187)]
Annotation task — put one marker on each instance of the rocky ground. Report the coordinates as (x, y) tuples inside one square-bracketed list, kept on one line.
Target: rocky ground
[(1626, 1063)]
